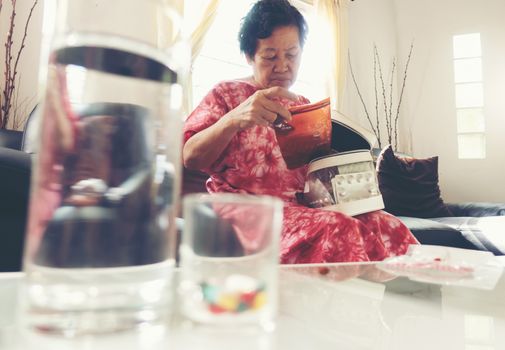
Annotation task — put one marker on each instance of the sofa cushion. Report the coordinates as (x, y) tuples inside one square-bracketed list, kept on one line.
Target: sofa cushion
[(486, 233), (409, 186), (437, 233), (477, 209)]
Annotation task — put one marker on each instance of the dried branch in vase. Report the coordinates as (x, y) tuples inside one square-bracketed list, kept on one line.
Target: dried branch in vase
[(391, 114), (8, 95)]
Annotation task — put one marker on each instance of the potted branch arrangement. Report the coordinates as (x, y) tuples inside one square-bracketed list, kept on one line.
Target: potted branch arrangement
[(9, 104), (384, 103)]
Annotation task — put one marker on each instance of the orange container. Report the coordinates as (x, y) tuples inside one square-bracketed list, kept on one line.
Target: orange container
[(307, 136)]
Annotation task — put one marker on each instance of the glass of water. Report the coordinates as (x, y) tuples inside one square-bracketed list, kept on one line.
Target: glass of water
[(229, 255), (100, 248)]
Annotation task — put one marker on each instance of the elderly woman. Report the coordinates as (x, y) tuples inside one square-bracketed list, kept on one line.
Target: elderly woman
[(230, 137)]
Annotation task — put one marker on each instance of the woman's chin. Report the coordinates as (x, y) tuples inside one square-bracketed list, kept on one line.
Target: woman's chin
[(281, 83)]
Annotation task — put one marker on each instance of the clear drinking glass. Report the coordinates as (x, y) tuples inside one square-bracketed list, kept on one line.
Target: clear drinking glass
[(229, 255), (100, 246)]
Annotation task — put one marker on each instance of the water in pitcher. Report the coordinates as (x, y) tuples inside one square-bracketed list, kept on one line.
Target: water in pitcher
[(101, 238)]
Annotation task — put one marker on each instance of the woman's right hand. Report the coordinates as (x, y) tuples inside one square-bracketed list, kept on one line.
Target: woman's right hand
[(261, 108), (203, 148)]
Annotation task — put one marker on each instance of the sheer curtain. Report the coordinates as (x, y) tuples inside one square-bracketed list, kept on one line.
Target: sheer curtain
[(198, 34), (332, 18), (198, 29)]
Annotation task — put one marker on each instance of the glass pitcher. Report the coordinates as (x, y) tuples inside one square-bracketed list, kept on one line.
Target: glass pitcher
[(101, 234)]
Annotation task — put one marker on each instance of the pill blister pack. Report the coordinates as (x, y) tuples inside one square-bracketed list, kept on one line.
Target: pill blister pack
[(354, 186), (446, 266), (344, 182)]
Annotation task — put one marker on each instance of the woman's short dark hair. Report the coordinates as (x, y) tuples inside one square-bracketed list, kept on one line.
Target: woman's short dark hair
[(263, 18)]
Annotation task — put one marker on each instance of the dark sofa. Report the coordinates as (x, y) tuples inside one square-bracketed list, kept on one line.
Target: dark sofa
[(15, 170), (410, 189), (464, 230), (468, 228)]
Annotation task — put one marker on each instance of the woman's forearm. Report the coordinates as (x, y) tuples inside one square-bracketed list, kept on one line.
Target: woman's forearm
[(205, 147)]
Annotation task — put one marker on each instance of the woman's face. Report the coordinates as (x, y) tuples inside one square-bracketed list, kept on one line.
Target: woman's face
[(277, 58)]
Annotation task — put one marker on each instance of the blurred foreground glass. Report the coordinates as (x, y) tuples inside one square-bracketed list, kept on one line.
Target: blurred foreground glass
[(229, 256), (100, 246)]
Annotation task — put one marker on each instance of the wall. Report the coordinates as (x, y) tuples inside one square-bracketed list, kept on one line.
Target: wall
[(370, 22), (429, 101), (29, 62)]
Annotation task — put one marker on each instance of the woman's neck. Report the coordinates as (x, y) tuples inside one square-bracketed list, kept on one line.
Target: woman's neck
[(250, 80)]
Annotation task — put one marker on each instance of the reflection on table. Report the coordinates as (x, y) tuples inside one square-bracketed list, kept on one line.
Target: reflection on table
[(327, 306)]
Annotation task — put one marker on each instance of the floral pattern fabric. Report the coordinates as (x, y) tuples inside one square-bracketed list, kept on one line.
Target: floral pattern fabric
[(252, 164)]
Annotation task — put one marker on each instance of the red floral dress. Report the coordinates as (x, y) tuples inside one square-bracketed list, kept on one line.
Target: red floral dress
[(252, 163)]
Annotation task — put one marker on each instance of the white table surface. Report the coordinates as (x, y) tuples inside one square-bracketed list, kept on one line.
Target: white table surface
[(331, 306)]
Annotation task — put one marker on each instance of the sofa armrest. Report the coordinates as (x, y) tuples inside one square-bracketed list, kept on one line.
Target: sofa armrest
[(15, 172), (15, 169), (11, 139), (477, 209)]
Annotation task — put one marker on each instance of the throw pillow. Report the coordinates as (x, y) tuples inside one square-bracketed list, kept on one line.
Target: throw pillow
[(409, 186)]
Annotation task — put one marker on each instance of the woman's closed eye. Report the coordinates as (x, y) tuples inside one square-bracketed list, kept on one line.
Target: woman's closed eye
[(292, 54), (288, 56)]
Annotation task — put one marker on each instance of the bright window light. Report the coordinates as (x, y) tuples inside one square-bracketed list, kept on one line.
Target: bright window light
[(470, 120), (467, 45), (469, 95), (468, 70), (472, 146), (220, 58)]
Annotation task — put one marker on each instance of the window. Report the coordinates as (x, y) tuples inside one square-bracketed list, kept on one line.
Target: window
[(469, 95), (220, 57)]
